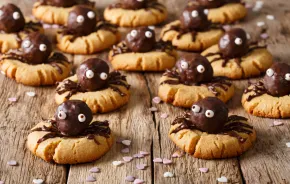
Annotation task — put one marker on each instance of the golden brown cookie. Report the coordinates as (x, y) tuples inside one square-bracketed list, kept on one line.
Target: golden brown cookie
[(228, 13), (184, 96), (211, 146), (67, 150), (136, 18), (148, 61), (35, 75), (100, 101), (202, 41), (52, 14), (253, 64)]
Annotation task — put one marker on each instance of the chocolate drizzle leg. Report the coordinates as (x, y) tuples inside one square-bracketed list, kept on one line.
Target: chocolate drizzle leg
[(258, 89)]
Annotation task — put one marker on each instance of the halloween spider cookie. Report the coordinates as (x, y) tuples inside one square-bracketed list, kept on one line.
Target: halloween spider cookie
[(57, 11), (102, 90), (135, 13), (71, 137), (270, 97), (208, 132), (84, 34), (236, 58), (192, 80), (223, 11), (35, 64), (193, 31), (14, 28), (141, 52)]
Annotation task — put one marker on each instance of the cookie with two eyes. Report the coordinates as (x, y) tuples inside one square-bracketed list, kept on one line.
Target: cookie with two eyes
[(193, 31), (85, 33), (236, 57), (35, 63), (270, 96), (192, 80), (223, 11), (102, 90), (14, 28), (208, 132), (136, 13), (71, 137), (141, 52), (57, 11)]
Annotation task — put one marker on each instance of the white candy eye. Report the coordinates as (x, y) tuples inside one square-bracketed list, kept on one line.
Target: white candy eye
[(133, 33), (200, 68), (26, 44), (82, 118), (287, 77), (91, 14), (61, 115), (205, 11), (103, 76), (148, 34), (16, 15), (42, 47), (209, 113), (195, 108), (80, 19), (270, 72), (1, 13), (238, 41), (90, 74), (184, 65), (194, 13)]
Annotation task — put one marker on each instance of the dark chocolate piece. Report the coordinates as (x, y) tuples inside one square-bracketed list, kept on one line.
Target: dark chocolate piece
[(211, 3), (11, 19), (133, 4), (141, 39), (66, 3)]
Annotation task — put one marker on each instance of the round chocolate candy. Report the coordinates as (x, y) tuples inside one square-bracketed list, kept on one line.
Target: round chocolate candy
[(211, 3), (194, 17), (93, 74), (11, 19), (133, 4), (234, 43), (82, 20), (194, 69), (73, 117), (232, 1), (36, 48), (60, 3), (277, 79), (141, 39), (209, 115)]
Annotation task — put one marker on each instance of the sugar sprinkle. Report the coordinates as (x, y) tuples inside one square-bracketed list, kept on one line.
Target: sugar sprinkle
[(168, 175)]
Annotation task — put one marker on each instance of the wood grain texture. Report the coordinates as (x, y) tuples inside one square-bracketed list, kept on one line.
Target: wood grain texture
[(267, 162)]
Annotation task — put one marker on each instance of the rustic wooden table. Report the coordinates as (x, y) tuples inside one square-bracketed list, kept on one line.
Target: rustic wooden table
[(267, 162)]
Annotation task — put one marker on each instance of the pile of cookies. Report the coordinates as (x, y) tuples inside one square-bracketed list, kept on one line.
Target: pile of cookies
[(199, 82)]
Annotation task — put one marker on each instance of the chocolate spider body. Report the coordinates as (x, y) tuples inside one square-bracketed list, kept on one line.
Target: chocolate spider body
[(93, 74), (60, 3), (211, 3), (141, 40), (276, 82), (11, 19), (195, 70), (211, 115), (73, 119), (138, 4)]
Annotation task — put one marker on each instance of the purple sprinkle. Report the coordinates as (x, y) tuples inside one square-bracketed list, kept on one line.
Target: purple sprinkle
[(156, 100), (1, 182), (264, 36), (12, 163), (153, 109), (138, 155), (167, 161), (91, 179), (164, 115), (203, 169), (130, 178), (12, 99), (125, 150), (94, 170), (144, 153), (138, 181), (127, 159), (157, 160), (141, 166)]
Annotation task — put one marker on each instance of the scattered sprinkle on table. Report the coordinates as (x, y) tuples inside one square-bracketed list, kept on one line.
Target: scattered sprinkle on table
[(260, 24), (277, 123), (156, 100), (157, 160), (125, 150), (264, 36), (12, 163), (126, 142), (141, 166), (145, 153), (12, 99), (117, 163), (222, 179), (166, 161), (127, 159), (130, 178), (37, 181), (203, 169), (168, 175), (3, 73), (153, 109), (30, 93), (91, 179), (138, 181), (288, 144), (270, 17), (164, 115), (138, 155), (1, 182), (177, 154), (94, 170)]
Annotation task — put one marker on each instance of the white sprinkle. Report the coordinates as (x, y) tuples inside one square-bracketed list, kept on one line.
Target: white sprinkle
[(12, 163), (127, 159), (278, 123), (3, 73), (153, 109), (288, 144), (126, 142), (270, 17), (260, 24), (125, 150), (138, 181), (38, 181), (168, 175), (167, 161), (222, 179), (117, 163), (164, 115), (248, 36), (156, 100), (30, 93), (151, 27)]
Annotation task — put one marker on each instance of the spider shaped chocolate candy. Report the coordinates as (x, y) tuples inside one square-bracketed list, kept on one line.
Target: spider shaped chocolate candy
[(208, 125), (94, 81), (11, 19), (137, 4), (72, 124)]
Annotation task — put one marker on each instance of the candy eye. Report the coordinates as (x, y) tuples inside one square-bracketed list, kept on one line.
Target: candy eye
[(42, 47), (80, 19), (194, 13), (209, 113), (200, 68), (91, 14), (195, 109), (133, 33), (287, 77), (26, 44), (205, 11), (89, 74), (16, 15), (81, 118), (1, 13), (270, 72), (238, 41), (61, 115), (148, 34), (104, 76), (184, 65)]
